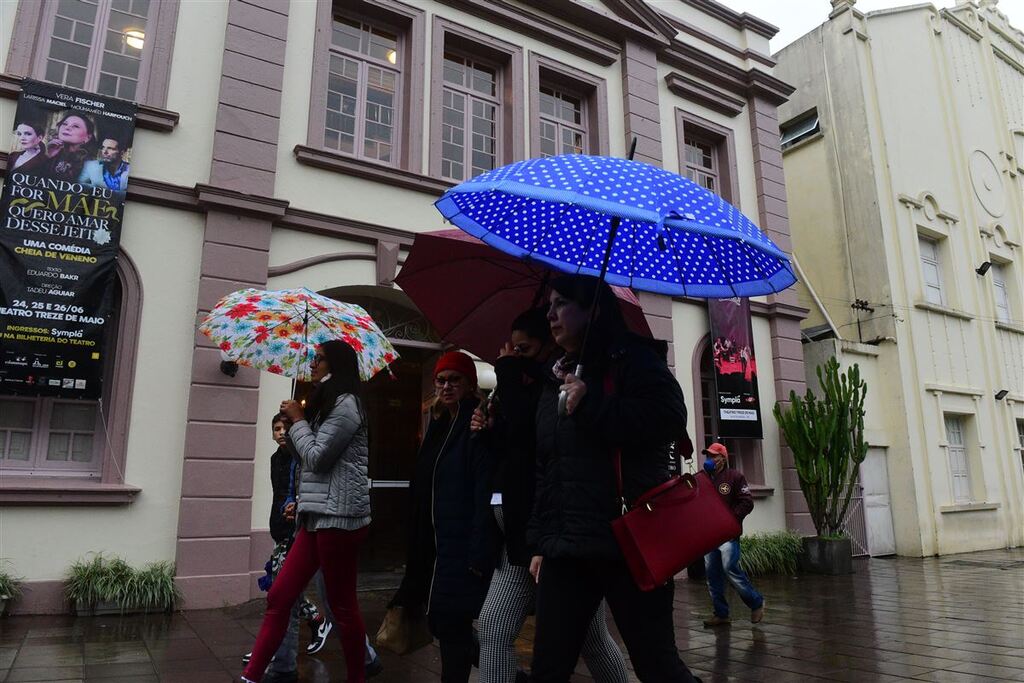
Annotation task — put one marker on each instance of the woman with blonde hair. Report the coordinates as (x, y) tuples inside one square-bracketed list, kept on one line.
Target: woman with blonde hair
[(450, 553)]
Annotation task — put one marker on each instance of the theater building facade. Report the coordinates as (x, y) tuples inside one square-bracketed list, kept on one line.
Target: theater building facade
[(286, 144)]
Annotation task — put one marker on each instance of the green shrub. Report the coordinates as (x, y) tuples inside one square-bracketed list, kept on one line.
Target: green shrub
[(10, 587), (102, 580), (770, 553)]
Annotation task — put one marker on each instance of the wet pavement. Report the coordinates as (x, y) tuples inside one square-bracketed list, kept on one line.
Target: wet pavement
[(951, 619)]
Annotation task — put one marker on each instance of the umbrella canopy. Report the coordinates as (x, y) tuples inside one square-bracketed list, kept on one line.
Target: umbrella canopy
[(471, 292), (278, 331), (674, 236)]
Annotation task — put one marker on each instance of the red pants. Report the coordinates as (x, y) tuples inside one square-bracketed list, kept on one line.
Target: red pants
[(335, 552)]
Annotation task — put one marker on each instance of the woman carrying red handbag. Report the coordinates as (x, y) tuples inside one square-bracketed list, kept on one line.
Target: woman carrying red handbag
[(577, 561)]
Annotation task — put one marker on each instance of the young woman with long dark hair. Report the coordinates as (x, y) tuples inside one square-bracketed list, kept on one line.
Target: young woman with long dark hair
[(330, 439), (625, 401)]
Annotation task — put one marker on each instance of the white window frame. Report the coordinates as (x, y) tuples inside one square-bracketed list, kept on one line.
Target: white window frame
[(1020, 441), (93, 70), (365, 61), (959, 460), (801, 129), (931, 258), (472, 95), (1002, 296), (560, 124), (699, 173), (37, 463)]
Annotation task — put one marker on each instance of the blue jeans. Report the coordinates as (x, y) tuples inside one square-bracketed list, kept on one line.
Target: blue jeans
[(286, 657), (722, 563)]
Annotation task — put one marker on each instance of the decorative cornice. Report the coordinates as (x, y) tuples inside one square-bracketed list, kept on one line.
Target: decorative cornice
[(962, 390), (713, 40), (740, 20), (701, 94), (748, 83), (150, 191), (646, 15), (337, 226), (759, 308), (599, 50), (150, 118), (222, 199), (961, 24), (387, 175), (286, 268)]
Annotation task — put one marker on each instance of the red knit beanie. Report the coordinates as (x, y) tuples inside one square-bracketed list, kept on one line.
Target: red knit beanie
[(458, 362)]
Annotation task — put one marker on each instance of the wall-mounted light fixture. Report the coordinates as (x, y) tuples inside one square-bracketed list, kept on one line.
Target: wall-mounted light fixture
[(1001, 394), (983, 268)]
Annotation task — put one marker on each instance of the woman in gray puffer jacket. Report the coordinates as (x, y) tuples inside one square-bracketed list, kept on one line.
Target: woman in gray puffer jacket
[(330, 440)]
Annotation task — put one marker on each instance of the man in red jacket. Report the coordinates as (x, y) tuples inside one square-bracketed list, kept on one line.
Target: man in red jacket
[(723, 562)]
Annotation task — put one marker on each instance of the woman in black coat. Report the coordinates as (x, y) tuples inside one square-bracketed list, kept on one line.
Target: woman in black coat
[(450, 555), (626, 401)]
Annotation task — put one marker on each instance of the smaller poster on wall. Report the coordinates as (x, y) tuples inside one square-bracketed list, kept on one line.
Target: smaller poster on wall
[(735, 363), (60, 227)]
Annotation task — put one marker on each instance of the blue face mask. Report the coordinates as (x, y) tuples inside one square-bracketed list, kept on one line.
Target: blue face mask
[(709, 466)]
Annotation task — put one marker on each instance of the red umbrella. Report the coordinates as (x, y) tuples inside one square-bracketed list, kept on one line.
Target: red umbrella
[(471, 292)]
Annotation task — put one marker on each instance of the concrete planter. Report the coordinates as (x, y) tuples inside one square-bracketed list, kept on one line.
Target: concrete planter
[(827, 556)]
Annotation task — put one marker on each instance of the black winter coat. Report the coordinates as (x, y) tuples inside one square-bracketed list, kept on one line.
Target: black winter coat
[(513, 444), (283, 485), (449, 535), (576, 493)]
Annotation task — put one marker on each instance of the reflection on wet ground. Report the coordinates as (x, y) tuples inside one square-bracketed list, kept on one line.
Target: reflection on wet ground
[(950, 619)]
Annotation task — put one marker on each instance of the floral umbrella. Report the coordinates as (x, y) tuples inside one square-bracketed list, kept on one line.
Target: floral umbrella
[(278, 331)]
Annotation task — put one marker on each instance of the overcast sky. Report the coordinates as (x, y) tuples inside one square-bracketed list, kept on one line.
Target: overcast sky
[(796, 17)]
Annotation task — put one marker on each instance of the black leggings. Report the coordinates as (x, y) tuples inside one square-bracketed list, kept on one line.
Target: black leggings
[(570, 591), (458, 647)]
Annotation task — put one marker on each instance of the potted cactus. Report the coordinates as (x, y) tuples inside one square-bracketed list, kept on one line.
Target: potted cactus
[(826, 436)]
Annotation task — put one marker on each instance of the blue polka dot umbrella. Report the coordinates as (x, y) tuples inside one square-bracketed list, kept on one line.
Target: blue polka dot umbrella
[(668, 234)]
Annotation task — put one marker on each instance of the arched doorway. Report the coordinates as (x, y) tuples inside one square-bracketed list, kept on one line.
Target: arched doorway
[(396, 407)]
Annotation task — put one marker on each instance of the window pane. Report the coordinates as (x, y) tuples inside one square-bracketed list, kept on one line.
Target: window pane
[(548, 103), (75, 76), (126, 89), (57, 448), (16, 414), (485, 80), (82, 10), (383, 45), (347, 34), (572, 141), (81, 448), (62, 28), (79, 417), (18, 445), (454, 70), (69, 52)]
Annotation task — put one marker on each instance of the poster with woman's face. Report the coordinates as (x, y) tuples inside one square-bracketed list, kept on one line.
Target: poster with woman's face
[(74, 145), (61, 214)]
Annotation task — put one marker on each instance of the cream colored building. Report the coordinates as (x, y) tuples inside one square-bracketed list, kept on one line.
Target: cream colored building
[(302, 143), (903, 148)]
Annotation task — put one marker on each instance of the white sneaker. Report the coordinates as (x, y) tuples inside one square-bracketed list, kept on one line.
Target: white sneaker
[(319, 638)]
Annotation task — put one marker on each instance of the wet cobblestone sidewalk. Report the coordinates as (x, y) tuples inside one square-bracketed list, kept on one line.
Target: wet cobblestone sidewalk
[(951, 619)]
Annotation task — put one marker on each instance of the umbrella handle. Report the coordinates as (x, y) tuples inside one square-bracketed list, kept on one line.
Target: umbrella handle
[(563, 397)]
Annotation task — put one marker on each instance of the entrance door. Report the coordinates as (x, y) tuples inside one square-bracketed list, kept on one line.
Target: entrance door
[(874, 477), (395, 414)]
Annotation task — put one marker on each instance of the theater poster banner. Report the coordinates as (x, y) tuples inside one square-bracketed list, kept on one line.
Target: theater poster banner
[(735, 363), (60, 226)]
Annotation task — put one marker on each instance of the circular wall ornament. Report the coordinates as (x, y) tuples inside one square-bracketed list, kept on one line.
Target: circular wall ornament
[(988, 184)]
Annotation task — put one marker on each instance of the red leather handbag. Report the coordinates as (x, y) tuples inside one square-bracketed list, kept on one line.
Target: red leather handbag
[(670, 526)]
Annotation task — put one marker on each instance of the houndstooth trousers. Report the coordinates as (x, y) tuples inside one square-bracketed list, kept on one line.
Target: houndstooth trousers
[(502, 617)]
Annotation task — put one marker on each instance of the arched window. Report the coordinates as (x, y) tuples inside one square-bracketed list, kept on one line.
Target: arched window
[(76, 442), (744, 454)]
